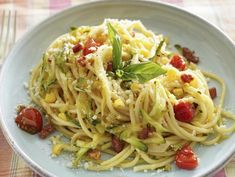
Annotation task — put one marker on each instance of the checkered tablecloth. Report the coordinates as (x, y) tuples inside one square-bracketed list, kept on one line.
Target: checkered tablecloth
[(30, 12)]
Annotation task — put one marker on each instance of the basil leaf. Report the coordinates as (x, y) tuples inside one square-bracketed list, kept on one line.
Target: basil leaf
[(117, 47), (142, 72), (160, 46), (158, 49)]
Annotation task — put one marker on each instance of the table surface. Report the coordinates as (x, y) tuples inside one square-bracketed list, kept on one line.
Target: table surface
[(30, 12)]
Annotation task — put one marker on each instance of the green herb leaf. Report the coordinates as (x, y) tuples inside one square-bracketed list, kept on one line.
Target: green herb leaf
[(142, 72), (117, 47), (160, 46), (119, 73), (179, 48), (72, 28)]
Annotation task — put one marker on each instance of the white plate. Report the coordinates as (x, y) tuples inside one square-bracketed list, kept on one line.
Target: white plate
[(216, 51)]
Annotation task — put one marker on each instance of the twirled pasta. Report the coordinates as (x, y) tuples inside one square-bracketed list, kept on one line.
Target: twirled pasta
[(89, 106)]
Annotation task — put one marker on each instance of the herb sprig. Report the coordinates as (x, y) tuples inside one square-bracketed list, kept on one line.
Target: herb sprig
[(117, 47), (142, 72)]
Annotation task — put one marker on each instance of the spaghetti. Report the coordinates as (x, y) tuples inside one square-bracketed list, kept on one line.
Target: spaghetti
[(115, 89)]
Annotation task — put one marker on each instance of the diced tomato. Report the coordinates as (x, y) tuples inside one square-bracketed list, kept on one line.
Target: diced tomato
[(90, 46), (187, 78), (178, 62), (117, 144), (213, 92), (186, 158), (46, 130), (29, 120), (77, 48), (184, 111), (82, 61)]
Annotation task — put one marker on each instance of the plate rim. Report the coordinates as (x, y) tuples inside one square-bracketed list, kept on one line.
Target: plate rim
[(32, 164)]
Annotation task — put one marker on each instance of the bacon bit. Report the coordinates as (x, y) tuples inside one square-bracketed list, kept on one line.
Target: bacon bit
[(109, 66), (46, 130), (213, 92), (90, 46), (117, 144), (184, 111), (77, 48), (178, 62), (82, 61), (187, 78), (190, 55), (145, 132), (94, 154)]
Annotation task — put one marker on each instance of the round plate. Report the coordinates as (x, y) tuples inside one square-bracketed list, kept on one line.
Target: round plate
[(216, 51)]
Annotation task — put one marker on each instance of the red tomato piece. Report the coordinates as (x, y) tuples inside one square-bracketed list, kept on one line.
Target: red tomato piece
[(178, 62), (186, 158), (77, 48), (29, 120), (187, 78), (90, 46), (184, 112)]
